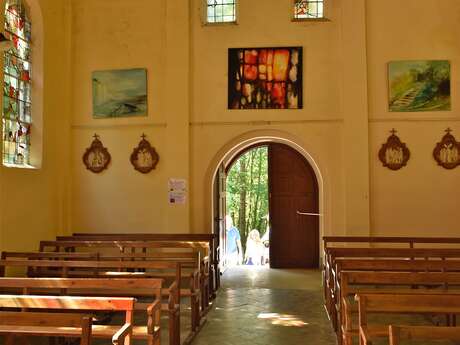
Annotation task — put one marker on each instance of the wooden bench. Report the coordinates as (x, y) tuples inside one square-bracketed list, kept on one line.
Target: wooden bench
[(400, 304), (186, 259), (212, 239), (410, 242), (129, 247), (352, 283), (13, 324), (389, 253), (118, 334), (115, 269), (397, 333), (191, 260), (389, 265), (148, 289)]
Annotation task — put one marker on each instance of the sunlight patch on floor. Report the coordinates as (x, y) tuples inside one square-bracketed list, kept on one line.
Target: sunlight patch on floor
[(283, 319)]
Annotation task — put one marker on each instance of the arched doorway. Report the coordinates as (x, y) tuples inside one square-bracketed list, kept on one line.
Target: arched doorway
[(293, 206)]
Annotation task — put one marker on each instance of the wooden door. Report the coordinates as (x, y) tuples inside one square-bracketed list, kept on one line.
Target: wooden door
[(219, 214), (294, 238)]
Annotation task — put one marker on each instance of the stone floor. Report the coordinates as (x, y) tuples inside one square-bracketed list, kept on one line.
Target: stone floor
[(261, 306)]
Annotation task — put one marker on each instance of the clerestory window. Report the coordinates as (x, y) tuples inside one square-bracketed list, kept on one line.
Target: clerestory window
[(308, 9), (221, 11)]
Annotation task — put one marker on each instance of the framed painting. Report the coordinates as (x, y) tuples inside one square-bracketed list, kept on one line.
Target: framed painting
[(119, 93), (265, 78), (419, 85)]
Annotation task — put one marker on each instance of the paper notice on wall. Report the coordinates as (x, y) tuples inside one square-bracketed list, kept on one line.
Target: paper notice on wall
[(177, 191)]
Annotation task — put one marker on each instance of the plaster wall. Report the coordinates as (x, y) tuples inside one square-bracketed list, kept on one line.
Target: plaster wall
[(342, 125), (121, 35), (34, 201), (420, 198)]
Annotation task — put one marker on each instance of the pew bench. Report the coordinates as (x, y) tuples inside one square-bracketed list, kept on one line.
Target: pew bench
[(147, 289), (120, 334), (388, 283), (102, 271), (25, 323), (400, 304), (334, 254), (397, 333), (212, 239), (369, 241), (383, 265), (128, 247)]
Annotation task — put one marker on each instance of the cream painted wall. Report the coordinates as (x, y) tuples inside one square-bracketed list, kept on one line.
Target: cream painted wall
[(342, 125), (33, 201), (419, 199), (333, 125), (120, 34)]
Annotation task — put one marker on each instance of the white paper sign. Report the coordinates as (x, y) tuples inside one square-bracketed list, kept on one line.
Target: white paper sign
[(177, 191)]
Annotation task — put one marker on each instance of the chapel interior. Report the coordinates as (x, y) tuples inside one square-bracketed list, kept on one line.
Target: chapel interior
[(357, 104)]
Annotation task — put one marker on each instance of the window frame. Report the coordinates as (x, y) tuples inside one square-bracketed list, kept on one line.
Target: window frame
[(324, 18), (204, 15)]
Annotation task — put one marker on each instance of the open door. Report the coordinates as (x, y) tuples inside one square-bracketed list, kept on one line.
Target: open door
[(219, 212), (294, 200)]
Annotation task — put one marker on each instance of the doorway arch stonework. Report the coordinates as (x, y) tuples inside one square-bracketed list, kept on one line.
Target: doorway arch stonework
[(232, 148)]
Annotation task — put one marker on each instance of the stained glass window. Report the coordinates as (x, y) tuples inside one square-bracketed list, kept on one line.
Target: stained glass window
[(17, 117), (308, 9), (221, 11)]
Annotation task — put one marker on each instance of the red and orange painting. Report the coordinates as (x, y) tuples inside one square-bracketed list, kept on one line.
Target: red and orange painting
[(265, 78)]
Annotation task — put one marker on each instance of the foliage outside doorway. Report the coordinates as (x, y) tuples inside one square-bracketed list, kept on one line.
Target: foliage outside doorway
[(247, 193)]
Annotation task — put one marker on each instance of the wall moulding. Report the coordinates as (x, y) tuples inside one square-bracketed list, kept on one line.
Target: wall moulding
[(262, 123), (117, 126), (415, 119)]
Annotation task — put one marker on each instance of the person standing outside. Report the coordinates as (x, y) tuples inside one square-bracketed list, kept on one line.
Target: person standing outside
[(234, 248)]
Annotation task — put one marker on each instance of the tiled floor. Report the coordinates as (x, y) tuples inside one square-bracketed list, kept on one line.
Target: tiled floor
[(260, 306)]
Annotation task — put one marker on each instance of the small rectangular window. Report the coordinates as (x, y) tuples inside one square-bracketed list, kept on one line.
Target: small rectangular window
[(221, 11), (308, 9)]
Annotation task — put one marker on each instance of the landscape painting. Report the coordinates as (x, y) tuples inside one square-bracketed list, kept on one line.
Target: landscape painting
[(265, 78), (120, 93), (419, 85)]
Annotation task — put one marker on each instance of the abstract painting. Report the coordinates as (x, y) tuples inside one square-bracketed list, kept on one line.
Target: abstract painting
[(265, 78), (120, 93), (419, 85)]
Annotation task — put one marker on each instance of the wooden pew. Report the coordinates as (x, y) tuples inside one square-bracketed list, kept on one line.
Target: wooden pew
[(423, 333), (352, 283), (129, 247), (332, 254), (13, 324), (149, 289), (119, 335), (121, 245), (188, 260), (47, 256), (389, 265), (401, 304), (50, 255), (212, 239), (410, 242), (114, 269)]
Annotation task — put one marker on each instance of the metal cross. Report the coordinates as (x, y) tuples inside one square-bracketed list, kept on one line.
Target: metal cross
[(143, 136), (448, 130), (96, 136), (393, 131)]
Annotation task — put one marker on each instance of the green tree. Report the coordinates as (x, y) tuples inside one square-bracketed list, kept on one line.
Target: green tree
[(247, 192)]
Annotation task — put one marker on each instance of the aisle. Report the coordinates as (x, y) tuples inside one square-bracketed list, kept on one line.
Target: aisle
[(260, 306)]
